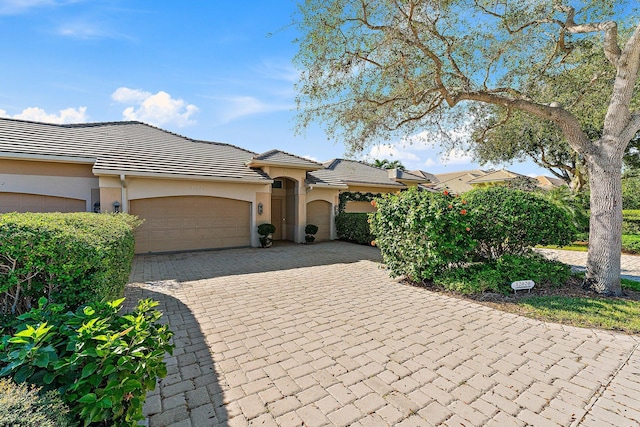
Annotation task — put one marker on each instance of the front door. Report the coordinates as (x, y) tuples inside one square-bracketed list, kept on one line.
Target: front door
[(276, 218)]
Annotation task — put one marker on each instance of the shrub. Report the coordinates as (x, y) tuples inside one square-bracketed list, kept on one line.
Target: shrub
[(354, 227), (311, 229), (631, 222), (497, 275), (631, 243), (69, 258), (421, 233), (22, 406), (506, 221), (264, 230), (101, 363)]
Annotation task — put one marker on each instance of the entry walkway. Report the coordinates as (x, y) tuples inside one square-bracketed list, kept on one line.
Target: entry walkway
[(320, 335)]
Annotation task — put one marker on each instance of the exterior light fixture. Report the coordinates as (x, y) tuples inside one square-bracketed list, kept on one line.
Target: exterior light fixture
[(96, 207), (260, 208), (116, 206)]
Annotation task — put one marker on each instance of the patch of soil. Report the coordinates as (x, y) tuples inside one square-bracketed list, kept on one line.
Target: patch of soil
[(508, 303)]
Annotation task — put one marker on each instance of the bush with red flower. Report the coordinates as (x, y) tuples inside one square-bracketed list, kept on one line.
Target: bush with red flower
[(421, 234)]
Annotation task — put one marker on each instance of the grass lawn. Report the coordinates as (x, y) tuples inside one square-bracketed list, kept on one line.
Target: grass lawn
[(613, 314), (616, 314)]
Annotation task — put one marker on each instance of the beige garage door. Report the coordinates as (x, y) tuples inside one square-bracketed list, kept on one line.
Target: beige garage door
[(19, 202), (319, 213), (184, 223)]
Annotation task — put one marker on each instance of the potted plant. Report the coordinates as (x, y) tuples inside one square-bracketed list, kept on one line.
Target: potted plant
[(310, 230), (265, 231)]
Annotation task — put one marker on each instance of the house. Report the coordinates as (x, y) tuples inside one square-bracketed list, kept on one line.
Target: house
[(549, 183), (191, 194)]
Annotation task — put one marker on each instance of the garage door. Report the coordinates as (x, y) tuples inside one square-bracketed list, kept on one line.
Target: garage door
[(20, 202), (184, 223), (319, 213)]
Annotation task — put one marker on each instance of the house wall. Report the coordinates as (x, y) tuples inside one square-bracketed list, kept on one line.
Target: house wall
[(68, 180), (355, 206)]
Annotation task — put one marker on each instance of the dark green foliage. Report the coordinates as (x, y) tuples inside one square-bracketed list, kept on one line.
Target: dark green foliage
[(631, 243), (266, 229), (354, 227), (69, 258), (421, 234), (506, 221), (497, 275), (311, 229), (101, 363), (631, 191), (574, 204), (631, 222), (22, 405)]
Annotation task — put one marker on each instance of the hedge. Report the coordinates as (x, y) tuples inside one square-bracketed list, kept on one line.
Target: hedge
[(354, 227), (70, 258), (506, 221)]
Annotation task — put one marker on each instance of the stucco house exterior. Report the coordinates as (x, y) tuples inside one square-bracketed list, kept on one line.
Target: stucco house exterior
[(191, 194)]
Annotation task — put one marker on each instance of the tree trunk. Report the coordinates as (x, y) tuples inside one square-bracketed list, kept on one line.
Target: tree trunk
[(605, 229)]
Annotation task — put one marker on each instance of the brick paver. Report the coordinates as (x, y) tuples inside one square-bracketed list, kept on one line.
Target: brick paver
[(320, 335)]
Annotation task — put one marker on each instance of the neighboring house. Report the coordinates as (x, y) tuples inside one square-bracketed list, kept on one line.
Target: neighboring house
[(549, 183), (458, 182), (191, 194), (499, 177)]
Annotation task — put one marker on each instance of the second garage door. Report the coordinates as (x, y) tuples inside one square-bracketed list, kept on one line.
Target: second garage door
[(184, 223), (319, 213)]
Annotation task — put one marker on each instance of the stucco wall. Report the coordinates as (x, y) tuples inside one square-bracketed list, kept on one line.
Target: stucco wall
[(73, 181)]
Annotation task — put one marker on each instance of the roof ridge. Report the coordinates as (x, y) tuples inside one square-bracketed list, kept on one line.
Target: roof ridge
[(277, 150)]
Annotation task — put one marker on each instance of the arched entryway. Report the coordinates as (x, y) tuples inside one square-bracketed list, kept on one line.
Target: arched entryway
[(284, 212)]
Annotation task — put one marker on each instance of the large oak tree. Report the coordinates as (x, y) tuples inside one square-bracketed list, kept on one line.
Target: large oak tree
[(375, 69)]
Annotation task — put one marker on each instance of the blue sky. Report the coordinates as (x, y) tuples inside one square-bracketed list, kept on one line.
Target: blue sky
[(212, 70)]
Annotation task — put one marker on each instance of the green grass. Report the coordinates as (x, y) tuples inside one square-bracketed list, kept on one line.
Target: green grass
[(612, 314), (631, 285), (578, 247)]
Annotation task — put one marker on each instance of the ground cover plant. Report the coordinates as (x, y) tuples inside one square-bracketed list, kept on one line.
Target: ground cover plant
[(100, 362)]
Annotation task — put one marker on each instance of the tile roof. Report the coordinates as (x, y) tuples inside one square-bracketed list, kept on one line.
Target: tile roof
[(279, 157), (353, 172), (496, 176), (130, 148), (550, 182), (426, 175)]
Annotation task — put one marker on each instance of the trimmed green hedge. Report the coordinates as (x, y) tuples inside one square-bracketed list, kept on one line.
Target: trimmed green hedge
[(631, 243), (631, 221), (71, 258), (354, 227)]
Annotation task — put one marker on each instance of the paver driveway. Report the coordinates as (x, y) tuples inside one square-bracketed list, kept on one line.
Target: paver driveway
[(320, 335)]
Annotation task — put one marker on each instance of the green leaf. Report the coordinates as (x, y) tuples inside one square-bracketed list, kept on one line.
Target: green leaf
[(49, 377), (41, 360), (88, 398), (89, 369)]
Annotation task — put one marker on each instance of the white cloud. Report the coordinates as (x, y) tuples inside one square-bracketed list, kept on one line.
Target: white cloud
[(236, 107), (456, 157), (15, 7), (36, 114), (157, 109), (310, 157)]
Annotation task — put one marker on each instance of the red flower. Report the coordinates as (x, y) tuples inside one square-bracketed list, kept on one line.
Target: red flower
[(373, 203), (450, 206), (468, 229), (373, 243), (445, 192), (463, 212)]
